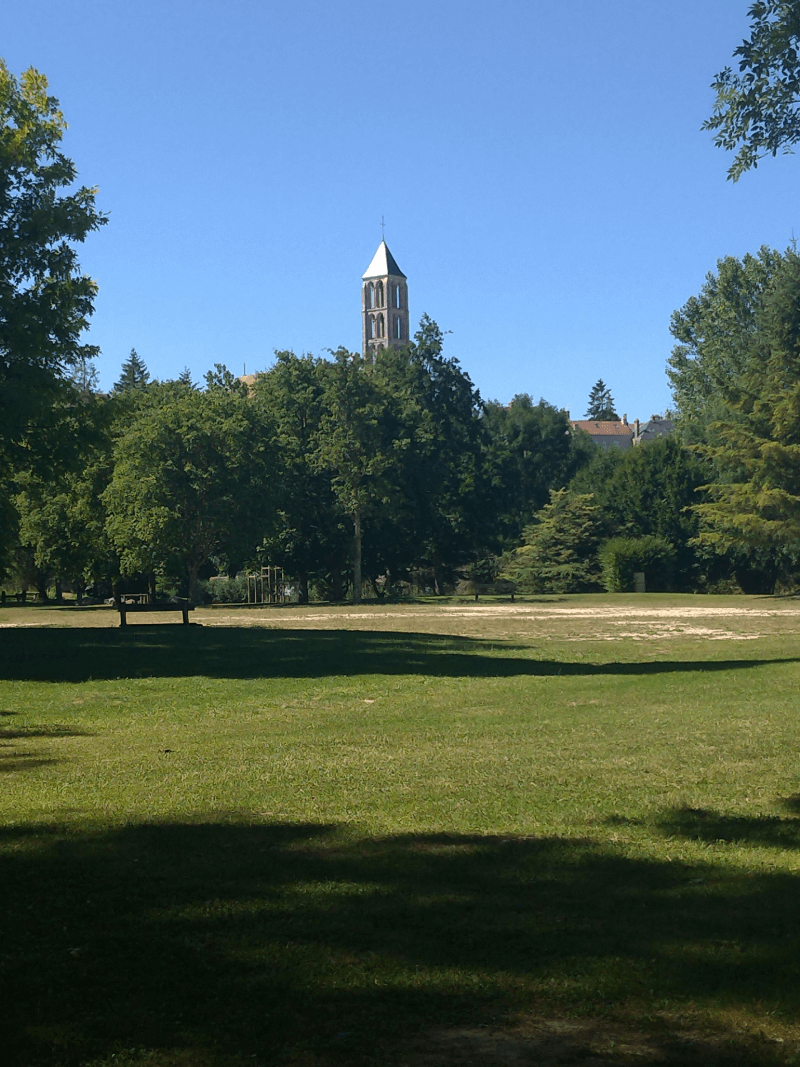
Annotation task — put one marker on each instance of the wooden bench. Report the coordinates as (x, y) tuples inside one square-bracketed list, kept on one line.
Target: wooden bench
[(126, 607)]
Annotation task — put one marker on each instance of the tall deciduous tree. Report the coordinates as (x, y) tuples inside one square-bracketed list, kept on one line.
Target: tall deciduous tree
[(45, 302), (756, 109), (530, 452), (601, 402), (437, 452), (721, 341), (356, 441), (307, 538), (190, 479)]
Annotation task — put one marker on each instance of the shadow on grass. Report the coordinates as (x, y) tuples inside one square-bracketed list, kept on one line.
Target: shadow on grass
[(11, 759), (280, 944), (82, 654), (704, 824)]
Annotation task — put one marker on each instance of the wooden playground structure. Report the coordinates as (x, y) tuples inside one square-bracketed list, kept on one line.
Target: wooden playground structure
[(267, 587)]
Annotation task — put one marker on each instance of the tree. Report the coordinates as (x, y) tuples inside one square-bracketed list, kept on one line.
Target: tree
[(134, 374), (757, 109), (530, 452), (754, 441), (45, 302), (559, 553), (650, 491), (621, 557), (601, 402), (190, 480), (439, 503), (307, 538), (61, 520), (356, 441), (720, 335)]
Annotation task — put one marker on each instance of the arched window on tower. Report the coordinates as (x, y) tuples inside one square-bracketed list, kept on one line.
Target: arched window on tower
[(372, 332), (398, 328), (379, 295), (370, 295), (397, 297), (381, 332)]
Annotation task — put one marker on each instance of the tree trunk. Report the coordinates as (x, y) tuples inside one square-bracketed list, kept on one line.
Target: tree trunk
[(59, 593), (357, 556), (79, 593), (41, 587), (336, 586), (302, 583), (438, 579), (151, 588), (195, 592)]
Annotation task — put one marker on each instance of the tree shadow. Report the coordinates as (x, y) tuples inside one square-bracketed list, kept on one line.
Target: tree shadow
[(223, 943), (50, 730), (83, 654), (704, 824), (11, 762)]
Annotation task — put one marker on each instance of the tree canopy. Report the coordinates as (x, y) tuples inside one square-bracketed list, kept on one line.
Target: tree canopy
[(45, 302), (601, 402), (135, 375), (736, 379), (756, 109)]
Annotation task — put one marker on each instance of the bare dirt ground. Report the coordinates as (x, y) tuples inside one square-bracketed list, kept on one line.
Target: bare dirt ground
[(600, 618)]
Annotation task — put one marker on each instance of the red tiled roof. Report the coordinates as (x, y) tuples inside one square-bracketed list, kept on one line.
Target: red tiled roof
[(604, 429)]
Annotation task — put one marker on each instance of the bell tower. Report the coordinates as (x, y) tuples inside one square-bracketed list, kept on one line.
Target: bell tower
[(384, 304)]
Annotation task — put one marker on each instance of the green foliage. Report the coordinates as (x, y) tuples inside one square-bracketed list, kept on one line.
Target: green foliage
[(651, 490), (756, 110), (438, 509), (134, 374), (63, 524), (720, 339), (621, 557), (752, 438), (559, 554), (45, 302), (530, 451), (601, 402), (226, 590), (307, 537), (189, 480)]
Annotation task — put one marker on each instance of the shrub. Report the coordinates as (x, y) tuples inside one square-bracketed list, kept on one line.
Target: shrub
[(621, 557), (226, 590), (560, 550)]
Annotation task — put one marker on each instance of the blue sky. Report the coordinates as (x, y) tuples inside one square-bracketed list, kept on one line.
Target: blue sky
[(539, 164)]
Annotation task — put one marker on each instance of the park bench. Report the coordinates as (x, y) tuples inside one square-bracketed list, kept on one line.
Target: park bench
[(135, 603)]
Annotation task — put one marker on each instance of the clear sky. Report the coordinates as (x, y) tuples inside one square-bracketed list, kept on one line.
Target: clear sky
[(539, 164)]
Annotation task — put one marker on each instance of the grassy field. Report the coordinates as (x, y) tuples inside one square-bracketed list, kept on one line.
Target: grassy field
[(563, 831)]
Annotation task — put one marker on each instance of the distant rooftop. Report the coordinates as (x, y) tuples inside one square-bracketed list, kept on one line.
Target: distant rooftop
[(383, 263), (596, 427)]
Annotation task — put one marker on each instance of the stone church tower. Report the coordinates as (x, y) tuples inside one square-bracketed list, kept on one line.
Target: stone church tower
[(384, 303)]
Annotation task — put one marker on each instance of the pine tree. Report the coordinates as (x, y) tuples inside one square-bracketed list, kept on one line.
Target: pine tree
[(134, 374), (601, 403)]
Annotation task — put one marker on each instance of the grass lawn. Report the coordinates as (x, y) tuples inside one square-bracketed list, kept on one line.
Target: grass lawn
[(563, 831)]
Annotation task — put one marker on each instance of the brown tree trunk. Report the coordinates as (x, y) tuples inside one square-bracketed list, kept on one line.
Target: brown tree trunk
[(302, 583), (438, 578), (357, 556), (337, 586), (195, 592)]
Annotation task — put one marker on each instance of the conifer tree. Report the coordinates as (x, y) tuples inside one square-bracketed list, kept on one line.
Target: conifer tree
[(601, 402), (134, 374)]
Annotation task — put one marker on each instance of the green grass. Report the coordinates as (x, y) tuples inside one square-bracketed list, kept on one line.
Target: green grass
[(402, 836)]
